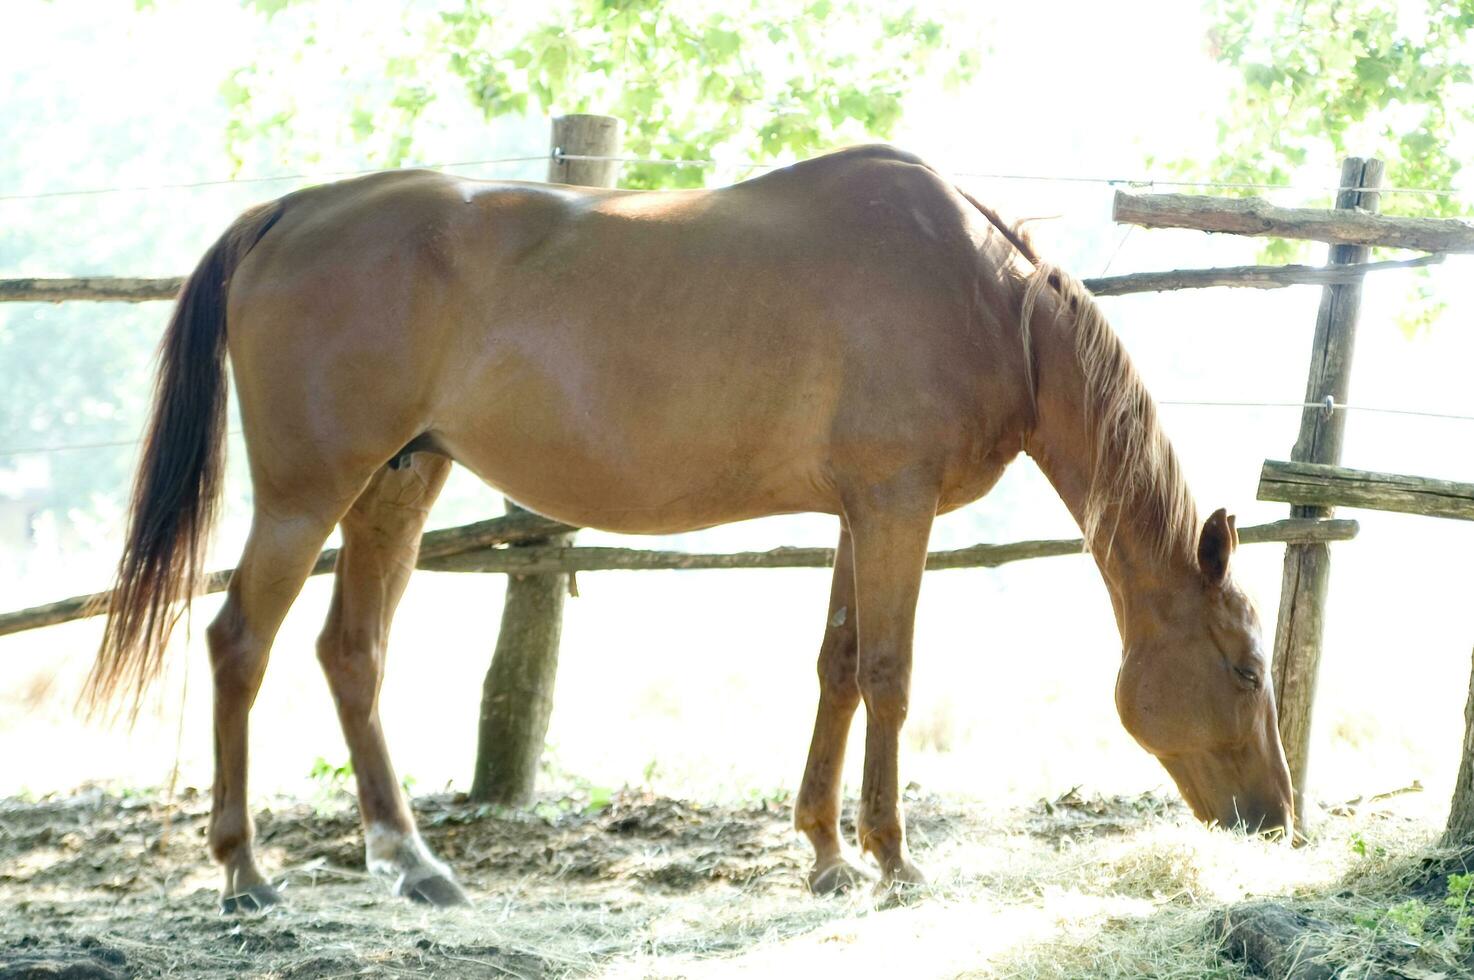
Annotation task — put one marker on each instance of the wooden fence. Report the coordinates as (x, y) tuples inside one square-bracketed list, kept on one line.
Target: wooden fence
[(539, 553)]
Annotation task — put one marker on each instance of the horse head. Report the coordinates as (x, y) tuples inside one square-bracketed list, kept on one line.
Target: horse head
[(1194, 690)]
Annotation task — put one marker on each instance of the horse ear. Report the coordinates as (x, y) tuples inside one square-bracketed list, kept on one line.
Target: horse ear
[(1220, 538)]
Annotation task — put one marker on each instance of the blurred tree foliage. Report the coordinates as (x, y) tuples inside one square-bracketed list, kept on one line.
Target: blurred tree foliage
[(746, 82), (1320, 80), (1355, 77), (73, 373)]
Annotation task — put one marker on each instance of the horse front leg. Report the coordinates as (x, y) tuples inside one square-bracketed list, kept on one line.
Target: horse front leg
[(890, 539), (381, 538), (816, 814)]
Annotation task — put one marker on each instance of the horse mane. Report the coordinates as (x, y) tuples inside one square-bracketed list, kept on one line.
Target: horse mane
[(1135, 472), (1134, 468)]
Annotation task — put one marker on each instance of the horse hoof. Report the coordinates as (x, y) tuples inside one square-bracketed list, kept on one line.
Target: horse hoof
[(257, 898), (432, 888), (836, 879), (902, 886)]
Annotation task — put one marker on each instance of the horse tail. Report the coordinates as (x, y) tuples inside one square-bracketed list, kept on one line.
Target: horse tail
[(176, 490)]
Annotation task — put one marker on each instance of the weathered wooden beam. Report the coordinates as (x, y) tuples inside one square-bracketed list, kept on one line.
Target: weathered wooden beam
[(1256, 217), (106, 289), (474, 553), (1248, 276), (1317, 485)]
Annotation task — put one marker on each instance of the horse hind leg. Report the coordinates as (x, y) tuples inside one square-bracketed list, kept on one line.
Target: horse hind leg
[(279, 554), (381, 538), (816, 813)]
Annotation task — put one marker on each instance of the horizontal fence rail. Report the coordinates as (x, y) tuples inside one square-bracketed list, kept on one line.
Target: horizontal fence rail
[(477, 548), (120, 289), (102, 289), (1248, 276), (1258, 218), (1337, 486)]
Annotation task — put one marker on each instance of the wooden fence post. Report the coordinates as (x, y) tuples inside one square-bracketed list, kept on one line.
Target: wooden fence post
[(1460, 829), (517, 697), (1297, 641)]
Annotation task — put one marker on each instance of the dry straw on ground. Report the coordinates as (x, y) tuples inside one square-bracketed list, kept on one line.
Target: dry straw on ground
[(652, 887)]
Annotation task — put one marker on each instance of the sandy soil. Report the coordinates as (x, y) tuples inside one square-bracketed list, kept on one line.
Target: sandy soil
[(94, 885)]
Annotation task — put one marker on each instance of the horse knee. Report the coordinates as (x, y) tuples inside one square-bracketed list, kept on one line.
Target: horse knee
[(886, 689), (837, 662)]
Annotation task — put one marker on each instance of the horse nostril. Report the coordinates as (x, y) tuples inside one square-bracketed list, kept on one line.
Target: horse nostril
[(1273, 822), (1269, 821)]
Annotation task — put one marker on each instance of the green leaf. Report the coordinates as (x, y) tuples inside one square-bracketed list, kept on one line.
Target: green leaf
[(600, 797), (233, 91), (399, 149), (554, 64), (270, 7), (721, 44), (400, 67), (361, 123)]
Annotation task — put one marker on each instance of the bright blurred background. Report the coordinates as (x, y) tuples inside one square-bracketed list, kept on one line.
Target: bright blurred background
[(701, 684)]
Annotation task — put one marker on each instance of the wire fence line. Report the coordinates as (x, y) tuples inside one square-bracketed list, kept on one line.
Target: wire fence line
[(72, 446), (1373, 409), (1323, 406), (272, 178), (1119, 181)]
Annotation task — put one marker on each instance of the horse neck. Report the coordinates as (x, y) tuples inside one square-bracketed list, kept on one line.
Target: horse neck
[(1097, 440)]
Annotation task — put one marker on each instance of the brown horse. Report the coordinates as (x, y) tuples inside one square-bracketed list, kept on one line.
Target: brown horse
[(850, 335)]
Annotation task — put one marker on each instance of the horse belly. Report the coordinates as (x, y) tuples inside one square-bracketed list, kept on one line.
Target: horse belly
[(624, 451), (654, 494)]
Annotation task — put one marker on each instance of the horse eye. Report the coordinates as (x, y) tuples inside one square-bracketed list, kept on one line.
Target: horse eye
[(1247, 676)]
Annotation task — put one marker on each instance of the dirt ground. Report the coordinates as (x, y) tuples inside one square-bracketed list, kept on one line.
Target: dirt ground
[(95, 885)]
